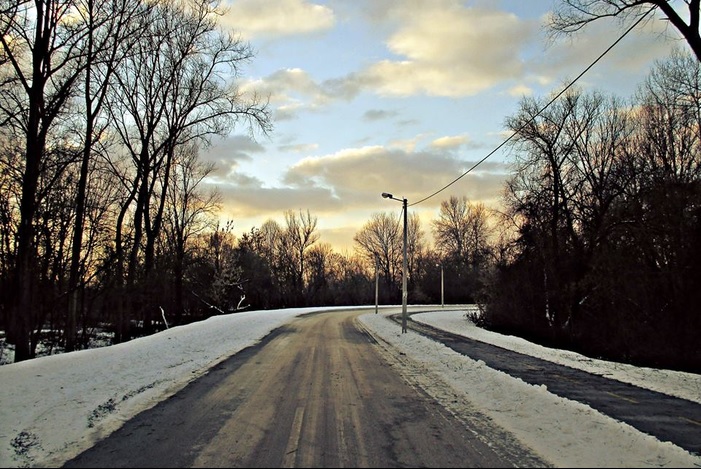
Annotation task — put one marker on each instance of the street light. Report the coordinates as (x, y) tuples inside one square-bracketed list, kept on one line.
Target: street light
[(387, 195)]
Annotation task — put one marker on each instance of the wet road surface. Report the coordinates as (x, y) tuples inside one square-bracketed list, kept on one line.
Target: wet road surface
[(317, 392)]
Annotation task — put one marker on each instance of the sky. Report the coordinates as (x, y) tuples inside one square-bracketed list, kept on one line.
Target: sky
[(93, 392), (399, 96)]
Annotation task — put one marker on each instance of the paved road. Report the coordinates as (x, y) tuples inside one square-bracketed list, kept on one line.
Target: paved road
[(667, 418), (318, 392)]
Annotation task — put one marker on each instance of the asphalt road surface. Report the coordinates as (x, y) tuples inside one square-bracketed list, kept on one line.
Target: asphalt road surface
[(318, 392)]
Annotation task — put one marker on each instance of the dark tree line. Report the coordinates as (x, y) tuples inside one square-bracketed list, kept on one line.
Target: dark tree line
[(606, 197), (102, 106), (605, 206)]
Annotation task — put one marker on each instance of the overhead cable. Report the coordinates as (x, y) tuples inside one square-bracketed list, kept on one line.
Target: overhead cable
[(557, 96)]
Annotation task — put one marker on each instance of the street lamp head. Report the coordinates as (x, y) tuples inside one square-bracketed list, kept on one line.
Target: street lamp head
[(387, 195)]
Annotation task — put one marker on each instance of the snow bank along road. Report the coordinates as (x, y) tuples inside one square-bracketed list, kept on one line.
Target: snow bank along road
[(665, 417)]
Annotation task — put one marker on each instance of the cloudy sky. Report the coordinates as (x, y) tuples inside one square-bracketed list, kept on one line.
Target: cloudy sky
[(399, 96)]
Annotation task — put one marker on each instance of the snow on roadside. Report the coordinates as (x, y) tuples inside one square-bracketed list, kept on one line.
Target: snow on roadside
[(561, 431)]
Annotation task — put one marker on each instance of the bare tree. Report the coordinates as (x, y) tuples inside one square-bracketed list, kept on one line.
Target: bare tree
[(44, 50), (264, 270), (201, 100), (662, 212), (569, 175), (223, 273), (174, 88), (297, 238), (286, 251), (188, 213), (670, 112), (416, 246), (462, 234), (10, 194), (113, 27), (462, 230), (571, 16), (380, 240), (270, 233), (351, 282), (318, 275)]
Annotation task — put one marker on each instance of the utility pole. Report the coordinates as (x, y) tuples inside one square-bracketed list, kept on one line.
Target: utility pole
[(387, 195), (404, 271)]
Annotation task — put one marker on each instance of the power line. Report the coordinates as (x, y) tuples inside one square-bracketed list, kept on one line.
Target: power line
[(557, 96)]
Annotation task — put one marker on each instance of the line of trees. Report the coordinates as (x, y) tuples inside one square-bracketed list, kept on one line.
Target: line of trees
[(285, 264), (606, 201), (103, 105)]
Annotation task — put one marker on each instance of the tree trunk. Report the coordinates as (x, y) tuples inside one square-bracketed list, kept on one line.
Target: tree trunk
[(77, 243), (21, 323)]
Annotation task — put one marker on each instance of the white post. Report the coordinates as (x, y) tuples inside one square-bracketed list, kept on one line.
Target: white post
[(442, 289), (377, 283)]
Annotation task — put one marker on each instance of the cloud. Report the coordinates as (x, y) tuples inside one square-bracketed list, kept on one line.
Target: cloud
[(439, 48), (282, 85), (378, 114), (275, 18), (449, 142), (299, 147), (446, 49), (359, 175), (227, 153), (406, 144), (443, 48), (256, 200), (520, 91), (292, 90), (354, 178), (344, 188)]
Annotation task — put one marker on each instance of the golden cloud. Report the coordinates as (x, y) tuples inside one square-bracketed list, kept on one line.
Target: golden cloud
[(272, 18), (447, 49), (449, 141)]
